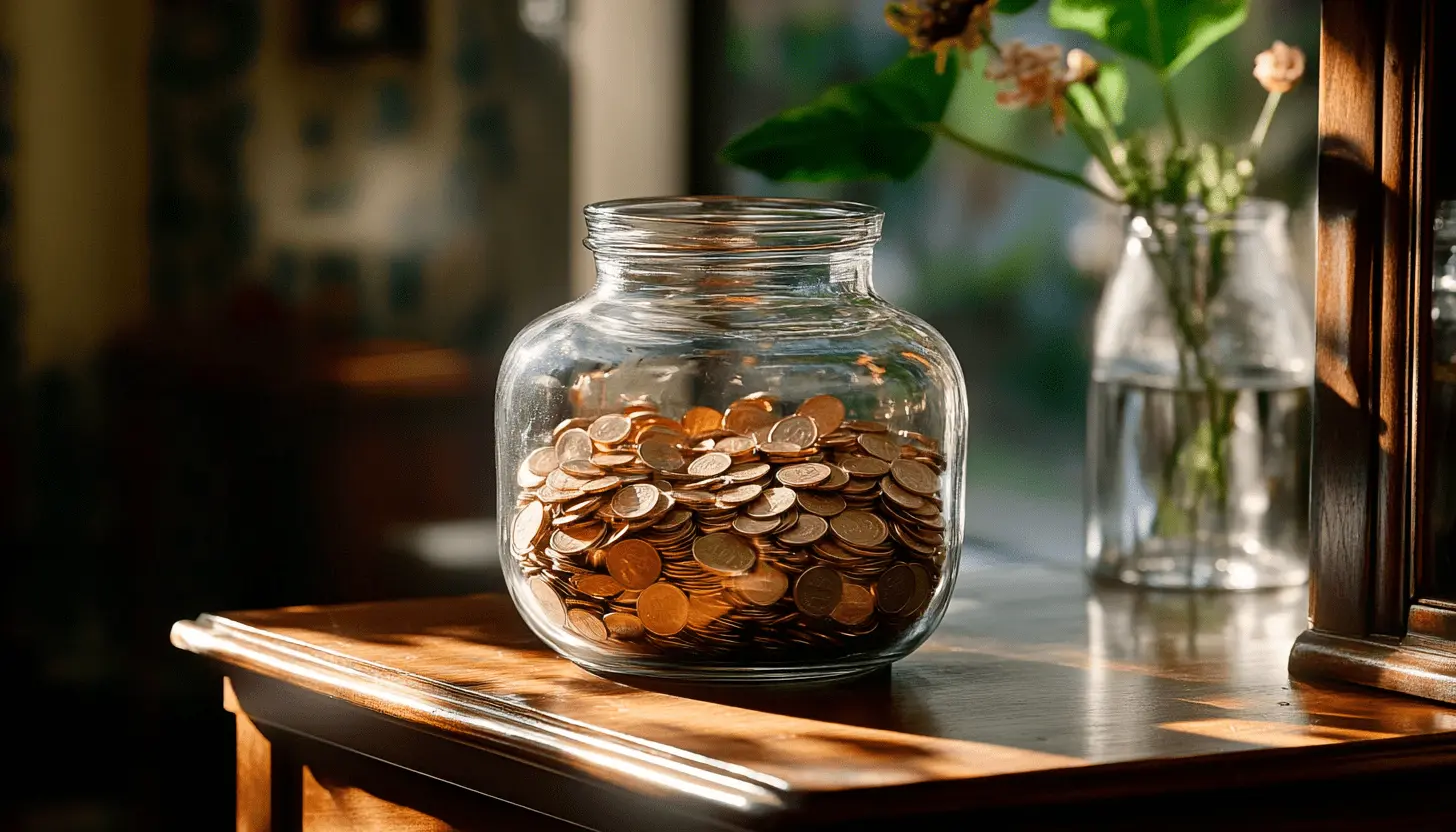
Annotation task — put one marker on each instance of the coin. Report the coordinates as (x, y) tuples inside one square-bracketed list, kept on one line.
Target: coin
[(825, 411), (587, 623), (921, 595), (809, 529), (763, 586), (743, 417), (879, 445), (743, 524), (610, 429), (700, 420), (663, 609), (899, 496), (601, 485), (597, 586), (572, 539), (734, 445), (895, 589), (740, 494), (915, 476), (660, 454), (859, 528), (748, 471), (818, 590), (573, 444), (803, 475), (542, 461), (795, 430), (529, 523), (636, 501), (770, 503), (623, 625), (547, 601), (710, 464), (634, 563), (824, 505), (856, 605), (865, 466), (724, 553)]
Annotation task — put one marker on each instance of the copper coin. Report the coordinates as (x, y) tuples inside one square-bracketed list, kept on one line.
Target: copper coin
[(634, 563), (663, 609), (864, 466), (860, 528), (581, 468), (587, 623), (572, 539), (739, 494), (724, 553), (743, 524), (818, 590), (636, 501), (547, 601), (661, 455), (610, 429), (526, 479), (542, 461), (763, 586), (771, 503), (568, 424), (895, 589), (899, 496), (701, 420), (856, 605), (809, 529), (880, 445), (803, 475), (914, 476), (825, 411), (573, 444), (601, 485), (613, 460), (795, 430), (623, 625), (597, 586), (743, 418), (710, 464), (822, 504), (748, 471), (838, 478), (703, 610), (780, 448), (530, 521), (921, 594)]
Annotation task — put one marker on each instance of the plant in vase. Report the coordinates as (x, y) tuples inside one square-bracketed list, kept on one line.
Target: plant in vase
[(1203, 355)]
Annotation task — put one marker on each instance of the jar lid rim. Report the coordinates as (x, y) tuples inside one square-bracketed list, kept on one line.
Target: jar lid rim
[(728, 225)]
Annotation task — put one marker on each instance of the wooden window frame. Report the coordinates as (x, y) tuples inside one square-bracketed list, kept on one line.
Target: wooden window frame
[(1373, 619)]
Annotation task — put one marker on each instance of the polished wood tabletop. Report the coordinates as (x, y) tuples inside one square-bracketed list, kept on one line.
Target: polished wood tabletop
[(1038, 691)]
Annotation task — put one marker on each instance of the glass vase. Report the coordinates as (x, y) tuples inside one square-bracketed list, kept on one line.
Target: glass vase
[(731, 460), (1198, 421)]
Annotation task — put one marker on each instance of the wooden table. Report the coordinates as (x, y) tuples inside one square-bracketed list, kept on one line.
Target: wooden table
[(1040, 701)]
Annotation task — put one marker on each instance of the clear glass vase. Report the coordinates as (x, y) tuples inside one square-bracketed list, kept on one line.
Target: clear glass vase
[(1198, 420), (731, 460)]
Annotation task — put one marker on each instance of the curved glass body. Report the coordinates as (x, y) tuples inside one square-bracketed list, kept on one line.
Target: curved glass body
[(731, 459), (1199, 418)]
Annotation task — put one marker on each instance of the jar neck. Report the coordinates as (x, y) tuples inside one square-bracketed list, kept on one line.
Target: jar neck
[(1170, 226), (845, 272)]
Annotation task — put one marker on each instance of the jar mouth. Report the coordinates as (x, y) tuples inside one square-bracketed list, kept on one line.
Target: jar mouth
[(728, 225)]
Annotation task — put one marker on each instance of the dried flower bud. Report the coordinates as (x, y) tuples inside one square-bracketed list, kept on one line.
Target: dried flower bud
[(941, 25), (1081, 67), (1030, 76), (1279, 67)]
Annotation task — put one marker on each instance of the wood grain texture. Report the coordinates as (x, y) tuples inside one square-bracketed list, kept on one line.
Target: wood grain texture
[(1037, 690)]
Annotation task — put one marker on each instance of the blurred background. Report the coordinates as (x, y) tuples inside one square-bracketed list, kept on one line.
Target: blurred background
[(259, 260)]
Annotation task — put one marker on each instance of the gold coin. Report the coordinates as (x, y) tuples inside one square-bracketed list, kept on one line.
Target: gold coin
[(771, 503), (623, 625), (636, 501), (824, 505), (809, 529), (634, 563), (710, 464), (530, 521), (864, 466), (724, 553), (734, 445), (795, 430), (860, 528), (899, 496), (661, 455), (597, 586), (739, 494), (818, 590), (542, 461), (573, 444), (548, 603), (895, 589), (751, 526), (763, 586), (587, 623), (663, 609), (601, 485), (803, 475), (879, 445), (701, 420), (610, 429), (915, 476), (825, 411), (856, 605)]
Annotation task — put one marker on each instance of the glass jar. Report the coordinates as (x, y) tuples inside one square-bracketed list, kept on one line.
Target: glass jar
[(731, 460), (1198, 421)]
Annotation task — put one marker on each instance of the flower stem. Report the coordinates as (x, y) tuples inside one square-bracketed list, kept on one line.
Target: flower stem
[(1175, 122), (1007, 158), (1261, 128)]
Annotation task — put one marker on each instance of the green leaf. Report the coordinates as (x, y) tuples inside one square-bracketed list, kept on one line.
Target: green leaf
[(1112, 85), (1014, 6), (1166, 34), (873, 129)]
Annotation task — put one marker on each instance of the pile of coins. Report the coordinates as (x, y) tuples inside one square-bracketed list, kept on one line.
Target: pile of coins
[(735, 533)]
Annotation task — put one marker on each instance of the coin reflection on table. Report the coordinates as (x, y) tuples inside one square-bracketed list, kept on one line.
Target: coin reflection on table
[(732, 534)]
